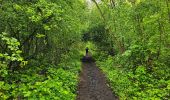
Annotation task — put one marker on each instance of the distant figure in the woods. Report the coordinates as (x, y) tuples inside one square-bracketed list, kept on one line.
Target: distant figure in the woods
[(87, 50)]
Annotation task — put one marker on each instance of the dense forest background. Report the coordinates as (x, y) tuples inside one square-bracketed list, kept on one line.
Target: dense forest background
[(42, 42)]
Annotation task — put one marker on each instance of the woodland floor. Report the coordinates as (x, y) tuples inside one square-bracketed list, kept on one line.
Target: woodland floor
[(93, 84)]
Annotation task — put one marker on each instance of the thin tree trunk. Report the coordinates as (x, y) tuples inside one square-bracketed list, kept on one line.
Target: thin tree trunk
[(160, 39), (101, 13), (167, 4), (118, 43)]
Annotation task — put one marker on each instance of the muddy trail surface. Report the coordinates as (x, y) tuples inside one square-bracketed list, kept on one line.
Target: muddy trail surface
[(93, 84)]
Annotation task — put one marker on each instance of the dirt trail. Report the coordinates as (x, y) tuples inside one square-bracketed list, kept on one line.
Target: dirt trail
[(92, 84)]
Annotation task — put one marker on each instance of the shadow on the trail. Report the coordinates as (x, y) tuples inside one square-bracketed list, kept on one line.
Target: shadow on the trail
[(87, 59)]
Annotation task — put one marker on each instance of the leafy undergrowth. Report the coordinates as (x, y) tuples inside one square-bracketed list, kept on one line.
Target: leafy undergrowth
[(138, 84), (45, 82)]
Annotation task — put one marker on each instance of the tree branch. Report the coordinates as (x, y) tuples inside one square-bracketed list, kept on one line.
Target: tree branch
[(101, 13)]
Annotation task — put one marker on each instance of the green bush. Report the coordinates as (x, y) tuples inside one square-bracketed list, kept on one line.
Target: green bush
[(45, 82), (134, 85)]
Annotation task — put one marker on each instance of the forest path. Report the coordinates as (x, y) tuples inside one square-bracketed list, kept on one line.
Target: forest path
[(93, 84)]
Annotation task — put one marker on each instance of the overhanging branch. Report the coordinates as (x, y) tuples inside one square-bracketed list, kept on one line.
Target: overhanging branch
[(101, 13)]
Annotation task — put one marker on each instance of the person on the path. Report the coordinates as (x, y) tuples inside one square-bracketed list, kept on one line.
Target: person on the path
[(87, 50)]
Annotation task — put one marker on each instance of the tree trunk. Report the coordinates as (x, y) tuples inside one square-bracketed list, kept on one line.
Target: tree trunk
[(101, 13), (167, 4), (118, 42)]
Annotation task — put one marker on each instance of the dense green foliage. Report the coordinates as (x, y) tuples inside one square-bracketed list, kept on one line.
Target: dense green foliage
[(40, 48), (42, 41)]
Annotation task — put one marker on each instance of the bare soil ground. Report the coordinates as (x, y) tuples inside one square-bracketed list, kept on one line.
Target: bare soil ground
[(93, 84)]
